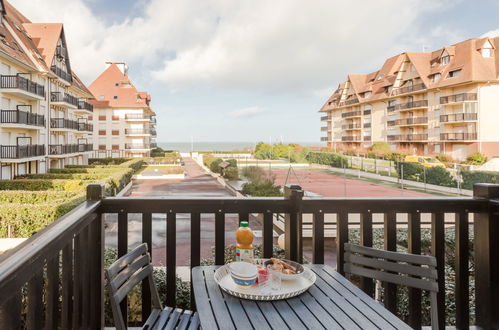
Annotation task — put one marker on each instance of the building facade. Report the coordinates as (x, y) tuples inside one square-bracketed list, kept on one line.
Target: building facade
[(124, 123), (44, 106), (445, 101)]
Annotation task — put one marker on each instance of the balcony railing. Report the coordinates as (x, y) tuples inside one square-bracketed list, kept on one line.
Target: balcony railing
[(456, 98), (137, 116), (62, 149), (64, 97), (458, 136), (408, 121), (367, 112), (324, 118), (351, 114), (153, 145), (408, 137), (19, 82), (409, 89), (136, 146), (351, 126), (152, 132), (367, 125), (84, 105), (367, 138), (60, 268), (21, 117), (348, 102), (85, 127), (324, 139), (153, 120), (458, 117), (64, 123), (350, 138), (324, 129), (18, 152), (408, 105), (137, 131), (61, 73)]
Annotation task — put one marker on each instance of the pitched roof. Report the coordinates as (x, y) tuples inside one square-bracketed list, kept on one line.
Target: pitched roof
[(45, 36)]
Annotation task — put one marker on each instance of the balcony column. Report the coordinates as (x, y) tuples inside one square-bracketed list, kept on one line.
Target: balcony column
[(486, 258), (293, 223)]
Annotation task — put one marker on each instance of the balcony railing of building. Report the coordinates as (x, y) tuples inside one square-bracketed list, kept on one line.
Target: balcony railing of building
[(351, 126), (61, 73), (136, 146), (458, 117), (85, 127), (153, 120), (20, 151), (367, 125), (458, 136), (324, 118), (19, 82), (323, 138), (137, 116), (60, 52), (408, 121), (153, 145), (367, 138), (84, 105), (152, 132), (409, 89), (64, 97), (351, 114), (408, 137), (62, 149), (350, 138), (462, 97), (408, 105), (324, 129), (367, 112), (60, 269), (22, 117), (137, 131), (64, 123), (348, 102)]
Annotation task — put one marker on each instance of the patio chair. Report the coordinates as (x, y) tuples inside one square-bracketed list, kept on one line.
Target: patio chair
[(128, 271), (412, 270)]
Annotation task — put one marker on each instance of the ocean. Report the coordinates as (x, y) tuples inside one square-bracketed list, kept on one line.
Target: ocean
[(216, 146)]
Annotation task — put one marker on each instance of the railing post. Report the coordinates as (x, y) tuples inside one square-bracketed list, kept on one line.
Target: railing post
[(95, 192), (486, 257), (293, 223)]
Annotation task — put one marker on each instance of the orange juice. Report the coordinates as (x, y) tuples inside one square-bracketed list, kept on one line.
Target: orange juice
[(244, 243)]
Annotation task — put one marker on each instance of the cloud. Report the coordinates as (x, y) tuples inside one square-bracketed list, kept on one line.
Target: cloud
[(491, 34), (249, 112)]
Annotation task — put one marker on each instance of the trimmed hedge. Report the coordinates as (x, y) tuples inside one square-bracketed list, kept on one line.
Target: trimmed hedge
[(327, 158), (434, 175), (470, 178), (35, 197), (37, 184), (107, 161)]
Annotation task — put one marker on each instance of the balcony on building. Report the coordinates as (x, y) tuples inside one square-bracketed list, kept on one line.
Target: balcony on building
[(64, 99), (459, 98), (21, 151), (355, 126), (21, 117), (66, 149), (367, 112), (458, 118), (458, 136), (153, 132), (21, 86), (84, 106), (324, 129), (138, 117), (63, 124), (324, 118), (137, 132), (408, 137), (153, 120), (412, 121), (367, 125), (65, 76), (137, 146), (421, 104), (409, 89), (348, 102), (367, 138), (153, 145), (350, 138), (324, 139), (351, 114), (85, 127)]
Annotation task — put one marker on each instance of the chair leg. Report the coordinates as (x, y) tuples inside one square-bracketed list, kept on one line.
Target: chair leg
[(434, 310)]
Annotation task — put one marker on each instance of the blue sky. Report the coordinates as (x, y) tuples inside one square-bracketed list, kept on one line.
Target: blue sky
[(248, 70)]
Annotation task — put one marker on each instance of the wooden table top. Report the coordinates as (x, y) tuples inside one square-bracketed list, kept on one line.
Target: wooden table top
[(332, 302)]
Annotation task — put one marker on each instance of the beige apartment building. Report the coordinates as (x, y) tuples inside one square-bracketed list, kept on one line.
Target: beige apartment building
[(445, 101), (124, 123), (44, 106)]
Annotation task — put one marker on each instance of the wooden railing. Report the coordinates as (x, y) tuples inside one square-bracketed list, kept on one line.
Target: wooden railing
[(351, 114), (408, 105), (408, 137), (458, 117), (62, 149), (409, 89), (64, 97), (408, 121), (63, 123), (69, 252), (84, 105), (61, 73), (19, 151), (458, 136), (21, 117), (19, 82), (462, 97)]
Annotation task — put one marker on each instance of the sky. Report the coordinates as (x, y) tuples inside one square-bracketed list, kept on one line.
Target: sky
[(251, 70)]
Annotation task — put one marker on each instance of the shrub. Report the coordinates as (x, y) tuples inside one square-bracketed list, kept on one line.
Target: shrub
[(439, 176), (37, 184), (476, 159), (327, 158), (35, 197), (409, 171), (215, 165), (106, 161), (444, 158), (472, 177), (254, 174), (379, 149), (208, 159), (231, 173), (264, 189)]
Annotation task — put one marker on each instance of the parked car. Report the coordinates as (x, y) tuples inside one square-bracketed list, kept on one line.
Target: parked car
[(424, 161)]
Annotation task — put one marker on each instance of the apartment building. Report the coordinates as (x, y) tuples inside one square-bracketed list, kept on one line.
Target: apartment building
[(445, 101), (124, 123), (44, 109)]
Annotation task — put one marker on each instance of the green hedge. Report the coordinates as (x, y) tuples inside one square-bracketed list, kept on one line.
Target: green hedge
[(434, 175), (107, 161), (35, 197), (470, 178), (37, 184), (64, 176), (327, 158)]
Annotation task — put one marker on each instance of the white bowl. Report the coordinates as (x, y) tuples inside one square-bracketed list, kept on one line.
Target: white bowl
[(243, 269), (286, 277)]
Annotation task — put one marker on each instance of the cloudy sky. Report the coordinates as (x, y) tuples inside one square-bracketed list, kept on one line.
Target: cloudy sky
[(248, 70)]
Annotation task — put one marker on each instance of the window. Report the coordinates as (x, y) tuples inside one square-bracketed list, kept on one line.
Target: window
[(115, 147), (413, 68), (102, 132), (454, 73), (101, 97), (114, 117), (445, 60), (90, 118), (116, 84), (115, 97), (487, 52), (115, 132), (392, 103), (380, 77), (102, 147), (436, 77), (102, 117), (367, 94)]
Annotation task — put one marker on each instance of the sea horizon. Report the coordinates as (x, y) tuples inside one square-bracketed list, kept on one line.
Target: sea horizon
[(218, 145)]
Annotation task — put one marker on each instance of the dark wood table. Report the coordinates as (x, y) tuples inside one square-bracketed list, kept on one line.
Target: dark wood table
[(332, 302)]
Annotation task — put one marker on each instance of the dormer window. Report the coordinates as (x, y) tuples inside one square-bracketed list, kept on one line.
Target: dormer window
[(445, 60), (380, 77), (487, 50), (454, 73), (367, 94), (115, 97), (116, 84), (436, 77)]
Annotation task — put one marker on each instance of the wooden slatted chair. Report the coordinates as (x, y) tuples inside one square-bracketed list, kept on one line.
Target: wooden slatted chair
[(128, 271), (412, 270)]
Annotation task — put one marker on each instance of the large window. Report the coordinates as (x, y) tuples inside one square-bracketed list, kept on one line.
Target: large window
[(454, 73), (487, 52), (436, 77), (445, 59)]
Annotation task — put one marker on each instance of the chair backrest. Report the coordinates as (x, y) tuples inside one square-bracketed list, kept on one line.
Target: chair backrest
[(124, 274), (412, 270)]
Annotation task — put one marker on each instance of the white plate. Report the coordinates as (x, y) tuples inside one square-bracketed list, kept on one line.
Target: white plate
[(288, 288)]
